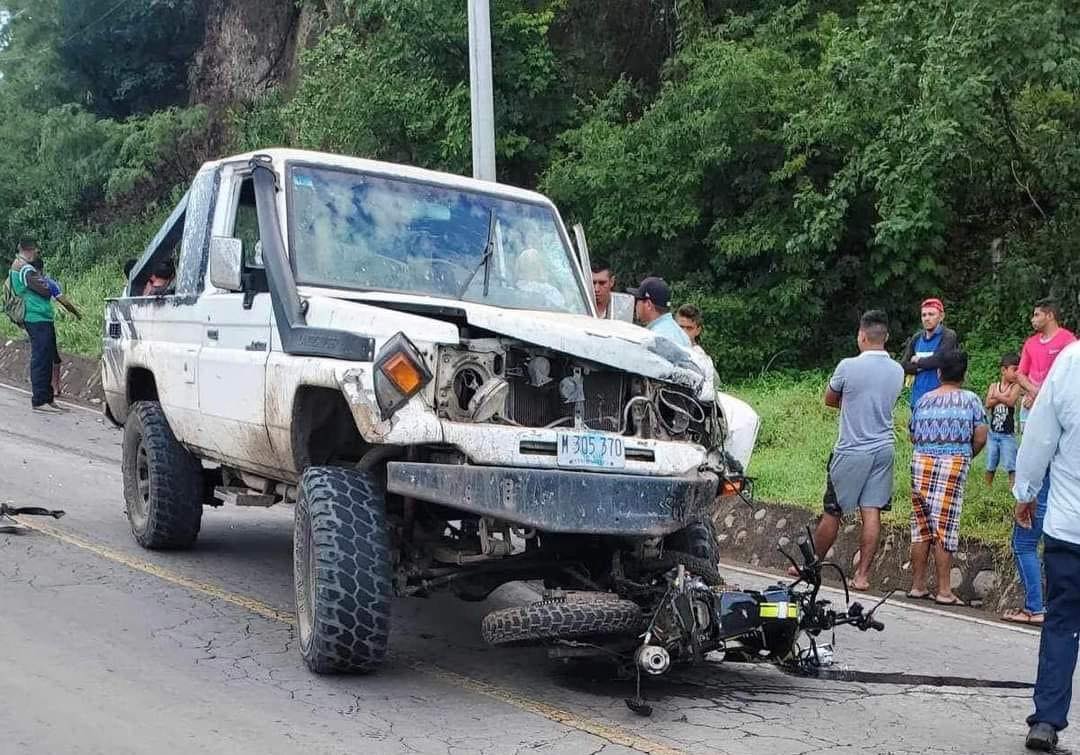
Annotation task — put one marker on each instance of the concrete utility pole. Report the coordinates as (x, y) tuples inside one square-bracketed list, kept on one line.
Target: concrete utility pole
[(480, 90)]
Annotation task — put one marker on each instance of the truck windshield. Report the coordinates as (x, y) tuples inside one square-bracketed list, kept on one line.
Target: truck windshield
[(371, 232)]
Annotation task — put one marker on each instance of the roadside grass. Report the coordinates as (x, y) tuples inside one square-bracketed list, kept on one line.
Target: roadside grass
[(798, 432), (87, 292)]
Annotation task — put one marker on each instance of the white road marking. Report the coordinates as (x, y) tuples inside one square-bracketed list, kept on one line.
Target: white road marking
[(66, 404)]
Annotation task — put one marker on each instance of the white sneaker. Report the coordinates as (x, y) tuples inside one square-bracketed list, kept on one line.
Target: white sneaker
[(48, 409), (58, 408)]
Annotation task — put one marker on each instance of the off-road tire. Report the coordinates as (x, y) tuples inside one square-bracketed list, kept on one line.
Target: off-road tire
[(341, 571), (585, 615), (162, 481)]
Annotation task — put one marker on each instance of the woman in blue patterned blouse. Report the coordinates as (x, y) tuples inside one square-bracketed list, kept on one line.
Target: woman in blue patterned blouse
[(948, 429)]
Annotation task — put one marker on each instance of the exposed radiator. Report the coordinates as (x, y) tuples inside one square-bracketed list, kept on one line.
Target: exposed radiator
[(605, 396)]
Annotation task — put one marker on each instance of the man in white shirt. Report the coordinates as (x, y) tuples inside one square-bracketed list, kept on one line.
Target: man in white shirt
[(1052, 439)]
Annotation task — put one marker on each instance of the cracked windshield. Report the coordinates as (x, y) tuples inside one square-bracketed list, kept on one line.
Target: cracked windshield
[(374, 233)]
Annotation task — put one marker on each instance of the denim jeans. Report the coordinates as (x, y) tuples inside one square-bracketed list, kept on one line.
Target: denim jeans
[(42, 356), (1001, 451), (1058, 646), (1025, 545)]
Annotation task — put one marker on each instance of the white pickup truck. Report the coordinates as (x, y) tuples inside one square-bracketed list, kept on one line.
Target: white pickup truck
[(411, 359)]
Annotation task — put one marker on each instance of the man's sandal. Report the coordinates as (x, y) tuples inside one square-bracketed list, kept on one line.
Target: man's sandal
[(1023, 617), (954, 602)]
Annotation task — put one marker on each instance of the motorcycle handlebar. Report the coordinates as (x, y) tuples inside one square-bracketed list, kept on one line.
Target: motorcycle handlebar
[(807, 548)]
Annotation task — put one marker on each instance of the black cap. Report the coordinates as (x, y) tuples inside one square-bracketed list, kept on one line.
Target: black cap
[(653, 289)]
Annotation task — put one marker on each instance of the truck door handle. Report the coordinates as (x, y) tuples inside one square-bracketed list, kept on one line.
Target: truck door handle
[(212, 334)]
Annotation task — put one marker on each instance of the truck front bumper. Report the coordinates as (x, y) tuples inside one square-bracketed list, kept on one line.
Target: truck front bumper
[(555, 500)]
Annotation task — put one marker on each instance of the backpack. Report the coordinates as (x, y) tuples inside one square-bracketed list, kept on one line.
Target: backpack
[(14, 305)]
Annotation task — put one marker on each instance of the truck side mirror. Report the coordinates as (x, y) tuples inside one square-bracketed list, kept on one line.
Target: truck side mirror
[(226, 261), (622, 307)]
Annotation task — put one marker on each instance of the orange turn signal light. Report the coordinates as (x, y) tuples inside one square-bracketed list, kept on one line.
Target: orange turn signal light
[(731, 487), (403, 373)]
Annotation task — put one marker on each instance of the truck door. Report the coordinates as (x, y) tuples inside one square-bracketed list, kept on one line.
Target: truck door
[(236, 339)]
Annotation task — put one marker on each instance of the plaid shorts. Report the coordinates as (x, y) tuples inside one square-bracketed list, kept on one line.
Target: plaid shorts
[(937, 496)]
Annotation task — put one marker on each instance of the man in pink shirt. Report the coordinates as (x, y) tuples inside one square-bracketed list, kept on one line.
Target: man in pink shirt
[(1041, 349), (1038, 356)]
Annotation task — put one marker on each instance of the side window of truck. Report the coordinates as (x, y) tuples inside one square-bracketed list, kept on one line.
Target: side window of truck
[(246, 226)]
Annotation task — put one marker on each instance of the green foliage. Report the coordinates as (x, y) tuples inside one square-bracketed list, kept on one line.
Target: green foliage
[(90, 190), (809, 161), (786, 164), (132, 57), (392, 84), (157, 144)]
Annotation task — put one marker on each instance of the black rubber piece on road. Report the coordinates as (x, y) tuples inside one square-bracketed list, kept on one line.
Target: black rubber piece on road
[(588, 615), (162, 481), (342, 571)]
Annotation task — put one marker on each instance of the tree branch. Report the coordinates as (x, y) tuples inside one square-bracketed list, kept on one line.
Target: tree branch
[(1010, 131)]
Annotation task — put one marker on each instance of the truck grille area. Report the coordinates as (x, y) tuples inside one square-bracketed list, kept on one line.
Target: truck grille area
[(605, 396)]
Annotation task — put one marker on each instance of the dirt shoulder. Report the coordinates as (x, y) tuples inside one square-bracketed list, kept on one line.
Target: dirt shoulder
[(80, 377)]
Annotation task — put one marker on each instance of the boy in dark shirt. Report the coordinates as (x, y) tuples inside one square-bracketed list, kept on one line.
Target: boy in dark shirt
[(1002, 398)]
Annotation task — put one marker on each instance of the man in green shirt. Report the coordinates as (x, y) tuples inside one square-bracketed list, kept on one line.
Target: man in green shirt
[(37, 292)]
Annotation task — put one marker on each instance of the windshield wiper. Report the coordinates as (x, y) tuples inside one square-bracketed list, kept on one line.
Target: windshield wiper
[(485, 258)]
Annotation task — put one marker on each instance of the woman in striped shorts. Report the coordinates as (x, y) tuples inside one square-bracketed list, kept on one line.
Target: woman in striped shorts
[(948, 428)]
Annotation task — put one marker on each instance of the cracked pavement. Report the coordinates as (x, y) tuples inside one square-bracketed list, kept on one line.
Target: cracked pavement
[(102, 657)]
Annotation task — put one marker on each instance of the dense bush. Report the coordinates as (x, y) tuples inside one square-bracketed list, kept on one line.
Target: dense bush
[(797, 169)]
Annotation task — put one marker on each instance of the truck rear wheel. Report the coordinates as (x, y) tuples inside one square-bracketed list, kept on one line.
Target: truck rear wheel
[(342, 572), (162, 481), (576, 615)]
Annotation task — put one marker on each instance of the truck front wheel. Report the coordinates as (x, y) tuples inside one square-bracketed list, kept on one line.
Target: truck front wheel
[(342, 572), (162, 481)]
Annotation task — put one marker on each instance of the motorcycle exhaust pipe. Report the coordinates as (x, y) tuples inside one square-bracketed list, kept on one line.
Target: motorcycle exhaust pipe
[(653, 659)]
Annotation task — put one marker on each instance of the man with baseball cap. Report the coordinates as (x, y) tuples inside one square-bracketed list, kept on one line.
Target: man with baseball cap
[(923, 351), (652, 300)]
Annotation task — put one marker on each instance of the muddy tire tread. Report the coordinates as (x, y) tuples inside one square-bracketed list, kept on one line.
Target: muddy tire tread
[(174, 511), (353, 581)]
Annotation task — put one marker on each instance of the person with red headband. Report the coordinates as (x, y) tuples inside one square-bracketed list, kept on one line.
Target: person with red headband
[(923, 353)]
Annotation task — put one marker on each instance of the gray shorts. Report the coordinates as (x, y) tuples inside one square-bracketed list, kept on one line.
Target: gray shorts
[(859, 481)]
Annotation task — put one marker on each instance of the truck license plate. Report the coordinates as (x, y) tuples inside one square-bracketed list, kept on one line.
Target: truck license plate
[(591, 450)]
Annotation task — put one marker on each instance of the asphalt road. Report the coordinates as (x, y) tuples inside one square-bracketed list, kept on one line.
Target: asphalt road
[(106, 648)]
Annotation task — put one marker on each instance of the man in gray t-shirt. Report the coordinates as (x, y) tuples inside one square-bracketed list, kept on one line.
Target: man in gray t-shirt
[(860, 473)]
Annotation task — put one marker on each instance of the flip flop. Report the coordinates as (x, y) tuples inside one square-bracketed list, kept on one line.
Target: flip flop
[(1023, 617), (853, 588), (918, 595), (954, 602)]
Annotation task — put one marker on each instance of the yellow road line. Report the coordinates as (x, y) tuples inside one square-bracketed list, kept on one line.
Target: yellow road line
[(610, 733), (249, 604)]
